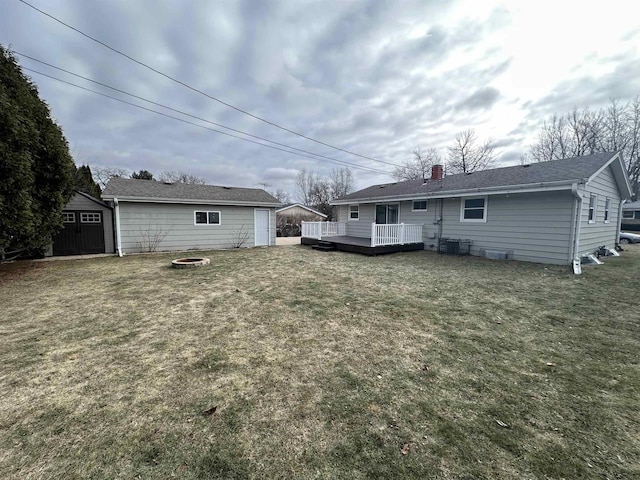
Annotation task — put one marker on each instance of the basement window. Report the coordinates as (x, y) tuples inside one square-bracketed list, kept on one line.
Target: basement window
[(607, 209), (354, 212), (473, 209), (206, 218), (627, 214), (419, 206), (593, 203)]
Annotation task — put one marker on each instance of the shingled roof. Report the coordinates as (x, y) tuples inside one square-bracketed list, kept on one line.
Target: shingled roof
[(152, 191), (567, 171)]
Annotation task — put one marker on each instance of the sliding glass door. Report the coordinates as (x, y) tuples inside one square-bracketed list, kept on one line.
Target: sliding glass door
[(387, 213)]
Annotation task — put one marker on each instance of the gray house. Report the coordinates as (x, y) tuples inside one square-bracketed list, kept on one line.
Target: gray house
[(87, 228), (551, 212), (151, 215)]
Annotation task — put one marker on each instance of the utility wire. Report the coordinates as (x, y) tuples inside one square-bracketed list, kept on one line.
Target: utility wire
[(179, 111), (200, 91), (340, 162)]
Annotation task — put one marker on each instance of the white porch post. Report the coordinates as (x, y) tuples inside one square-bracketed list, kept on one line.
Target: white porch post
[(373, 234), (401, 234)]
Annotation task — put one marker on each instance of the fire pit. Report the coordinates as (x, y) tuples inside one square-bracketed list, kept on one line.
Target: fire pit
[(190, 262)]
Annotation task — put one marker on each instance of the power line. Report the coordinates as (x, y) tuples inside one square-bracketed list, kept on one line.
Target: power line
[(180, 111), (200, 91), (340, 162)]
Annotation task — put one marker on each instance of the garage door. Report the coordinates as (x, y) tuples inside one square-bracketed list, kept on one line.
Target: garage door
[(83, 233)]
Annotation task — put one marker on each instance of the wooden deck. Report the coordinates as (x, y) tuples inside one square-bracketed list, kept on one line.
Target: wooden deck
[(361, 245)]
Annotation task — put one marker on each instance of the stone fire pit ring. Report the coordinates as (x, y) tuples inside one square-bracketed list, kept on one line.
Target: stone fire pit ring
[(190, 262)]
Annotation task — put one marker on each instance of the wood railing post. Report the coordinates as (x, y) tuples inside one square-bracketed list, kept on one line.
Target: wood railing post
[(373, 234)]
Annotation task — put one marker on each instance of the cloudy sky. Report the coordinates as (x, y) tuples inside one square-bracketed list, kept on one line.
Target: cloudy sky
[(377, 78)]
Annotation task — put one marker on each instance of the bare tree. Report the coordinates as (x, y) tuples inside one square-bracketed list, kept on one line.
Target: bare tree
[(304, 183), (468, 155), (314, 191), (102, 175), (341, 182), (615, 128), (173, 176), (419, 167), (281, 196)]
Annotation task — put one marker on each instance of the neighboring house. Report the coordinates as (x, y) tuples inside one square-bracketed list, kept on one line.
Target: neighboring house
[(631, 216), (151, 215), (289, 218), (551, 212), (87, 227)]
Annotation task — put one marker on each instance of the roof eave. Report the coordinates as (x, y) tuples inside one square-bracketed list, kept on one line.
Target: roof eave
[(189, 201), (503, 189)]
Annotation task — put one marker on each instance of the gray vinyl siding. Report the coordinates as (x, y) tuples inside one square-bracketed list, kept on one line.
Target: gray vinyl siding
[(82, 203), (534, 227), (362, 226), (597, 234), (176, 222)]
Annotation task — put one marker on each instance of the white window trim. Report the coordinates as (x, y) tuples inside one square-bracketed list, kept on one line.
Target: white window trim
[(207, 224), (349, 213), (607, 210), (595, 208), (420, 209), (64, 220), (91, 215), (474, 220), (632, 212)]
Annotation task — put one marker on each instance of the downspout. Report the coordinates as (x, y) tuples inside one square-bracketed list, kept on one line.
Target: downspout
[(117, 218), (619, 227), (578, 221)]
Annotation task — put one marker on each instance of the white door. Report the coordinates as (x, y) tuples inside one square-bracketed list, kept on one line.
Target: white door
[(261, 225)]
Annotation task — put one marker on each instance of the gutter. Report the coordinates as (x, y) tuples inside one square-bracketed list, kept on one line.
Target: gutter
[(117, 220)]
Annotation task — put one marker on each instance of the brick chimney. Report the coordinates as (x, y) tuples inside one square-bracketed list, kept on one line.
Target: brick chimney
[(436, 172)]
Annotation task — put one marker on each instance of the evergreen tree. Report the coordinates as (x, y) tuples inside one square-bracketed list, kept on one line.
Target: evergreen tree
[(84, 182), (36, 169)]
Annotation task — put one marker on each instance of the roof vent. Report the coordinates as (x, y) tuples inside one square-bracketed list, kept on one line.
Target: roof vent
[(227, 188), (168, 183), (382, 186), (525, 166)]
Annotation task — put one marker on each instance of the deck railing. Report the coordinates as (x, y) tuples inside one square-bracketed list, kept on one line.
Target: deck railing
[(320, 230), (395, 234), (381, 233)]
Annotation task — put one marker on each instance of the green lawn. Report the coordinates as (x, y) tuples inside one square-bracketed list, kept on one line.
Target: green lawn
[(319, 365)]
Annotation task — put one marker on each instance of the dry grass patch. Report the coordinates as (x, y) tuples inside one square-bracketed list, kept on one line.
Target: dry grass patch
[(319, 366)]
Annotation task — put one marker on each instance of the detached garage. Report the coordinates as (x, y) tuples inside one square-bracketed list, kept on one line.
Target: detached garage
[(158, 216), (87, 228)]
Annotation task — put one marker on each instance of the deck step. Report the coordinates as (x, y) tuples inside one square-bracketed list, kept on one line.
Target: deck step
[(324, 247)]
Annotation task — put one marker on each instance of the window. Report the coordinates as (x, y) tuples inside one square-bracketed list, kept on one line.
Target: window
[(354, 212), (206, 218), (90, 217), (419, 205), (473, 209), (627, 214), (68, 217), (593, 203), (387, 213), (607, 209), (637, 217)]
